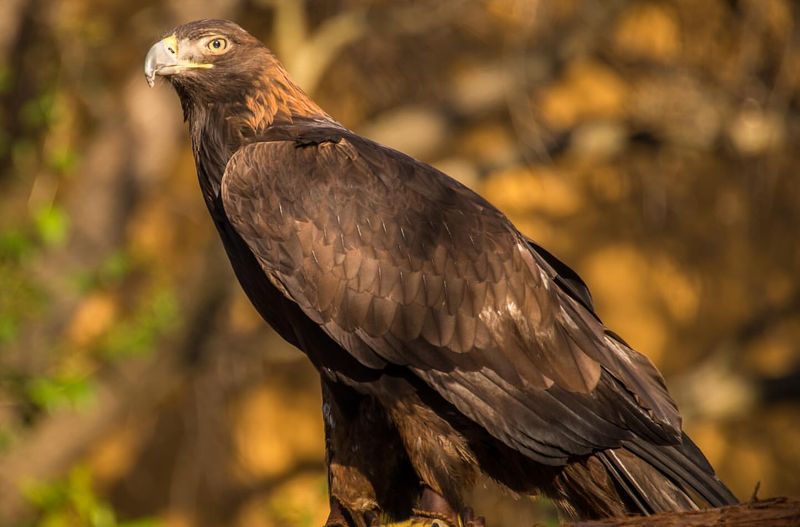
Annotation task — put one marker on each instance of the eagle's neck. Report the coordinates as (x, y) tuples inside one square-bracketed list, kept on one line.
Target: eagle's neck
[(220, 127), (275, 99)]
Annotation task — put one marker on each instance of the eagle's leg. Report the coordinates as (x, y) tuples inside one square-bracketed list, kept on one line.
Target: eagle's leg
[(440, 453), (369, 475), (352, 495)]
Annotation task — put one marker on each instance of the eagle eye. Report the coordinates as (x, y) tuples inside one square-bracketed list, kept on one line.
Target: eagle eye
[(217, 45)]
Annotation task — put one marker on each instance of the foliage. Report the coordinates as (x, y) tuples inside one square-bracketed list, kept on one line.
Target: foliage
[(72, 502)]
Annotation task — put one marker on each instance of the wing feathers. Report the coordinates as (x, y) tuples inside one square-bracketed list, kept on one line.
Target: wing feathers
[(399, 263)]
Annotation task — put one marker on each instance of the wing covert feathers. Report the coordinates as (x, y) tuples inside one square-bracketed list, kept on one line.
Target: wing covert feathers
[(403, 266)]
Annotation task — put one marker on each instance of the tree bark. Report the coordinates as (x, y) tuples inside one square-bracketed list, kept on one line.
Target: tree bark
[(774, 512)]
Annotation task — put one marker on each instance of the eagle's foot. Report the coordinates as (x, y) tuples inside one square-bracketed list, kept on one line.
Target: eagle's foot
[(468, 519), (433, 510), (338, 517), (341, 516), (427, 519)]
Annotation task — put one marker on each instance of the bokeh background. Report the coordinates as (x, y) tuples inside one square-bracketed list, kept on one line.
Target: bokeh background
[(652, 145)]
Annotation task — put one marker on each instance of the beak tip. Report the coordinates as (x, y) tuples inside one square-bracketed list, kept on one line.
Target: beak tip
[(157, 60)]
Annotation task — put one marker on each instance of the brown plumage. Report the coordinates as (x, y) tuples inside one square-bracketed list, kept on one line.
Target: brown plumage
[(449, 344)]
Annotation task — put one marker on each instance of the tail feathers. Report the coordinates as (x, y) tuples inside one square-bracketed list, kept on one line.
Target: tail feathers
[(642, 488), (657, 478), (630, 489)]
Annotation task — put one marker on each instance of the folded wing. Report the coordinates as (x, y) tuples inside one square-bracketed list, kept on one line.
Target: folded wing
[(403, 266)]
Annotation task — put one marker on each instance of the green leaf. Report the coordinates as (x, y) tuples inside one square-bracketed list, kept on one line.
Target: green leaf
[(54, 393), (72, 502), (137, 335), (52, 225), (62, 159), (114, 269), (44, 495), (38, 112)]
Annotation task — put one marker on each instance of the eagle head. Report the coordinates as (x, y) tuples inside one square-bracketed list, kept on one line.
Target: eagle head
[(216, 62), (209, 59)]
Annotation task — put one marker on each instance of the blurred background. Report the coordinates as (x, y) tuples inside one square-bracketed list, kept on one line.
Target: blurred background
[(652, 145)]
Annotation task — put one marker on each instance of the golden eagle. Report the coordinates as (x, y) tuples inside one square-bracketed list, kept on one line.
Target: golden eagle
[(448, 343)]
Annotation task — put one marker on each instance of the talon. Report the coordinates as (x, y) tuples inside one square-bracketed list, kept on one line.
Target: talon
[(337, 519), (430, 519), (421, 521), (433, 510), (468, 518), (341, 516)]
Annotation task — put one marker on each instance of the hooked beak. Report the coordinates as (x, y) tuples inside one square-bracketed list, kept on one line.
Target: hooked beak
[(162, 59)]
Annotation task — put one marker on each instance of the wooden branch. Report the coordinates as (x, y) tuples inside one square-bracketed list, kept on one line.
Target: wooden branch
[(774, 512)]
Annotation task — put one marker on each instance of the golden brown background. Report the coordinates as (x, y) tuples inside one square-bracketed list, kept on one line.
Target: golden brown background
[(653, 145)]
